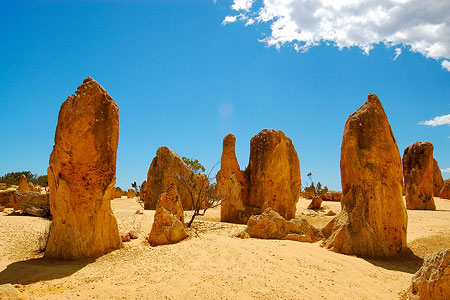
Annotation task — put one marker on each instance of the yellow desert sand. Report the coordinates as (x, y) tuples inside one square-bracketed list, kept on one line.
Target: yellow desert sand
[(212, 264)]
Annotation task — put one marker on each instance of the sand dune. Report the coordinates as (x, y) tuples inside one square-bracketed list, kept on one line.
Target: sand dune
[(212, 264)]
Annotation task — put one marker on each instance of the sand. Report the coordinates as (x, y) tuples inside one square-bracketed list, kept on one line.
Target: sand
[(212, 264)]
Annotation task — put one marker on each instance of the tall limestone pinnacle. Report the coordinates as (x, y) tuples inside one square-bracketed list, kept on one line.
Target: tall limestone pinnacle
[(82, 174), (373, 219)]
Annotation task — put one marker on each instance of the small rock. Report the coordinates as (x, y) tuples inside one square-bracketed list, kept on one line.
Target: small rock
[(8, 292), (139, 212), (133, 235), (331, 213), (125, 237), (316, 203)]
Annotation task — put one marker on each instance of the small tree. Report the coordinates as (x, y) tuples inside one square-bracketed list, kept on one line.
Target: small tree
[(137, 191), (316, 190), (201, 189)]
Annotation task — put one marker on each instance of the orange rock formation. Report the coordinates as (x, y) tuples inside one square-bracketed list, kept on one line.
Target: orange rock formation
[(373, 219), (82, 174)]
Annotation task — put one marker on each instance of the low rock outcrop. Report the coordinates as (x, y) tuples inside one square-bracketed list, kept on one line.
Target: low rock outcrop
[(23, 184), (82, 174), (432, 281), (32, 203), (164, 169), (332, 196), (271, 179), (171, 201), (418, 173), (271, 225), (373, 219), (166, 229), (316, 203), (445, 191), (117, 193)]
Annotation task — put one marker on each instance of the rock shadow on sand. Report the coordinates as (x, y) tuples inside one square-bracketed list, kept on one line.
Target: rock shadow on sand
[(407, 262), (40, 269)]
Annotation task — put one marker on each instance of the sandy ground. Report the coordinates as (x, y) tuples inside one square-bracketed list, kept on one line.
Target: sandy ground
[(212, 264)]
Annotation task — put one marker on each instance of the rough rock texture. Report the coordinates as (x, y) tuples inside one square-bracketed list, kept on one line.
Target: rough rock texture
[(81, 175), (438, 181), (23, 184), (232, 185), (32, 203), (332, 196), (373, 218), (274, 173), (166, 229), (171, 201), (131, 193), (418, 174), (445, 191), (271, 225), (162, 172), (432, 281), (143, 190), (271, 179), (316, 203), (117, 193)]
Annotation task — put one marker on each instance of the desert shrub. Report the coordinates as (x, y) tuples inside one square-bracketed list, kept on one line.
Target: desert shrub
[(12, 178), (316, 190)]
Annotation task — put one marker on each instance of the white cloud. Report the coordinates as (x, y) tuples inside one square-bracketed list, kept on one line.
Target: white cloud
[(446, 65), (439, 120), (445, 170), (229, 19), (398, 52), (421, 26), (244, 5)]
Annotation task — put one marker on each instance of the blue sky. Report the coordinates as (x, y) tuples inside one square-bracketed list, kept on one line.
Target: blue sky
[(184, 79)]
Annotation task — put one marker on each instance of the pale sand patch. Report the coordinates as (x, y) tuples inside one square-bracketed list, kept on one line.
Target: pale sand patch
[(212, 264)]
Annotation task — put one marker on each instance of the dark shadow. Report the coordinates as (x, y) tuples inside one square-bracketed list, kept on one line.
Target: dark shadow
[(40, 269), (407, 262)]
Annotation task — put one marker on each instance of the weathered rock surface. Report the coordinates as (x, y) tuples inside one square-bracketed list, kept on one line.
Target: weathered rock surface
[(117, 193), (332, 196), (316, 203), (171, 201), (32, 203), (432, 281), (166, 229), (131, 193), (23, 184), (438, 181), (271, 179), (143, 190), (232, 185), (163, 171), (81, 175), (271, 225), (445, 191), (373, 218), (418, 173)]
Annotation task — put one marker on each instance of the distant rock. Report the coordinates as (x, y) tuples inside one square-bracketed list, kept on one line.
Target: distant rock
[(438, 181), (32, 203), (418, 172), (445, 191), (432, 281), (166, 229), (332, 196), (117, 193), (316, 203), (271, 225), (131, 193), (373, 219), (23, 183), (163, 171), (81, 175), (271, 179)]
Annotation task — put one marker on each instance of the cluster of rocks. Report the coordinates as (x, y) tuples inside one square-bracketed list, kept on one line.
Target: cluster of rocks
[(18, 202), (271, 179), (24, 185)]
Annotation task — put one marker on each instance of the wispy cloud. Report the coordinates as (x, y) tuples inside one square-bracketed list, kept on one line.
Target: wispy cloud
[(447, 170), (437, 121), (229, 19), (419, 26)]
